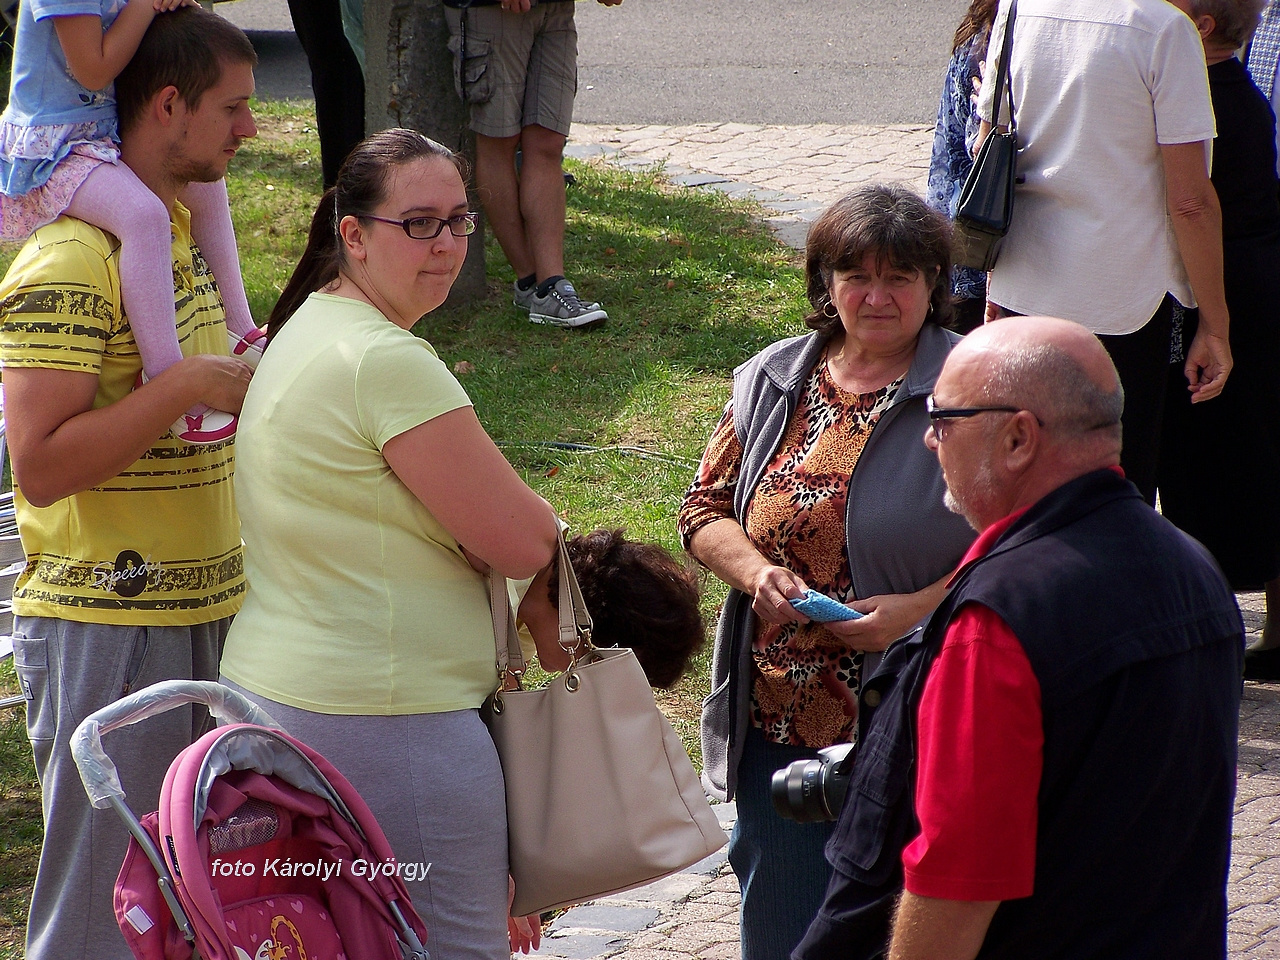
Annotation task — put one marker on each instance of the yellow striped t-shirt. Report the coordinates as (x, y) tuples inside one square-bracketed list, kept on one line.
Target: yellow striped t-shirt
[(160, 543)]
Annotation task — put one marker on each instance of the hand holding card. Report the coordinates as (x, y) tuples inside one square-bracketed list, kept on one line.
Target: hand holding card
[(821, 608)]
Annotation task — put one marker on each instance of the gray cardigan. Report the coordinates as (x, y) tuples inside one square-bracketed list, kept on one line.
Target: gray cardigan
[(898, 543)]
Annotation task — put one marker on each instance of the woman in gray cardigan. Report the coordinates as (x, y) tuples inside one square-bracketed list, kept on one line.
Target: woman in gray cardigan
[(818, 477)]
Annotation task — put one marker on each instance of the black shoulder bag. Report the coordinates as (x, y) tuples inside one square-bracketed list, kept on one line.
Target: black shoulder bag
[(985, 209)]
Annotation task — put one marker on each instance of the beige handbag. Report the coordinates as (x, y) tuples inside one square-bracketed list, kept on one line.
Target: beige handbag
[(601, 796)]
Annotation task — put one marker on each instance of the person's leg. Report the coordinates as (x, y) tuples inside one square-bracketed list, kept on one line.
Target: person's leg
[(353, 27), (1142, 360), (434, 784), (1271, 627), (214, 234), (542, 199), (336, 80), (781, 868), (491, 49), (499, 189), (546, 114), (114, 199), (67, 671)]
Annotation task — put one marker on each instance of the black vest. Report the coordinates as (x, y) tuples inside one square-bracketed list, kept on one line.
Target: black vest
[(1137, 644)]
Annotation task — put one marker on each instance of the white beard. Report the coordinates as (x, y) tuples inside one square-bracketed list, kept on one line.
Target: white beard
[(981, 491)]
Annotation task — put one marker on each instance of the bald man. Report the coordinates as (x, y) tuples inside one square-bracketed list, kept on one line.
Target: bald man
[(1047, 769)]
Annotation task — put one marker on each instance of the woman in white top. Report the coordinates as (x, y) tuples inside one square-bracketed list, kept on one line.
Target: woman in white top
[(361, 471)]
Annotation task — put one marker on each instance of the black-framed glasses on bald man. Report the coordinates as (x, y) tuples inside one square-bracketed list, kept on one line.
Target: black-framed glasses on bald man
[(428, 228), (939, 417)]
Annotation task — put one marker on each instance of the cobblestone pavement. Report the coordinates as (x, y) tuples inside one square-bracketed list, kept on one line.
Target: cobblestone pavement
[(795, 172)]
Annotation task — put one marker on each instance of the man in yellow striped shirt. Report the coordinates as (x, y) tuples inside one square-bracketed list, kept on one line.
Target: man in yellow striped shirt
[(134, 565)]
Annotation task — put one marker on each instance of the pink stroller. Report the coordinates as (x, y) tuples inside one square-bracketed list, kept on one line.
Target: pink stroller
[(260, 850)]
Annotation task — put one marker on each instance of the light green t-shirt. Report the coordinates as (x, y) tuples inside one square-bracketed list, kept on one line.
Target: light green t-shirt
[(359, 602)]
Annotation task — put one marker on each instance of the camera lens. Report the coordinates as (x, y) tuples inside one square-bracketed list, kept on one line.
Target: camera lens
[(797, 791), (812, 791)]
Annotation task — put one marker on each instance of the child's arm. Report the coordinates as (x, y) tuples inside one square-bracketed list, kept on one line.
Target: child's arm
[(97, 57), (538, 613)]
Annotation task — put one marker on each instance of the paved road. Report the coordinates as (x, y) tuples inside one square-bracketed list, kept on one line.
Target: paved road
[(763, 61), (694, 61)]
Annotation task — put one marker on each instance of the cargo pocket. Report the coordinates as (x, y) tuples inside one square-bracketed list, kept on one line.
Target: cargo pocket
[(31, 663), (870, 836), (472, 79)]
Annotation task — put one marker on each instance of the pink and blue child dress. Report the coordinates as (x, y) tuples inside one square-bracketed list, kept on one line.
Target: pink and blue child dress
[(54, 131)]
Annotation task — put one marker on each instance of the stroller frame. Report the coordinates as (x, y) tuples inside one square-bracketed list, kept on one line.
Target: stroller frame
[(102, 783)]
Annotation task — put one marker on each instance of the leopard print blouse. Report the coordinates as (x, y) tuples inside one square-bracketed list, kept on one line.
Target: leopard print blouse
[(804, 681)]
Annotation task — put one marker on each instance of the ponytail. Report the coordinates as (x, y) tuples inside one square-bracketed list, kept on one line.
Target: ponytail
[(318, 266)]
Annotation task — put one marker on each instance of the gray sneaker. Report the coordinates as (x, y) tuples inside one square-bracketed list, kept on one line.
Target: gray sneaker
[(561, 307), (523, 298)]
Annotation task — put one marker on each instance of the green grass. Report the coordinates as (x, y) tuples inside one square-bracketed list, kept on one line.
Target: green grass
[(693, 285)]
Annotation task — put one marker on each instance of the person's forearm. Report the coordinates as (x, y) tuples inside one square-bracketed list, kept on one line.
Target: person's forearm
[(1197, 226), (888, 616), (923, 602), (94, 57), (984, 131), (925, 928), (1196, 218), (93, 446), (723, 548)]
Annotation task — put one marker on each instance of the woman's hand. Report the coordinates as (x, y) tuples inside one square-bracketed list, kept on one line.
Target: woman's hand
[(1208, 364), (773, 590), (887, 617), (725, 550), (523, 933)]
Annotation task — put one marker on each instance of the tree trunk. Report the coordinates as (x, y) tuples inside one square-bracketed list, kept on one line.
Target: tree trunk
[(408, 82)]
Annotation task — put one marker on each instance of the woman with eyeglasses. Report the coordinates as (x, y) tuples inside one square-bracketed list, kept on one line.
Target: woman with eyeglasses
[(817, 477), (361, 471)]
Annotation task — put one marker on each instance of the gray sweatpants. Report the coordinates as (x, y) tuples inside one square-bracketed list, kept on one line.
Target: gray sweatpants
[(67, 671), (434, 784)]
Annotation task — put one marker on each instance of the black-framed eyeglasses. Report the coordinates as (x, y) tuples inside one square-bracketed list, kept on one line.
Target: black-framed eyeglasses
[(940, 416), (428, 228)]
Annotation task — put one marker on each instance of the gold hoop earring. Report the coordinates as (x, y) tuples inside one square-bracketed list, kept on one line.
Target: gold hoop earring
[(829, 311)]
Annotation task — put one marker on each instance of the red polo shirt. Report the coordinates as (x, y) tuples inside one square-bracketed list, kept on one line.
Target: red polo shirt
[(980, 743)]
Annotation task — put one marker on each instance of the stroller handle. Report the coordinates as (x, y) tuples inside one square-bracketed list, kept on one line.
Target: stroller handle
[(101, 781)]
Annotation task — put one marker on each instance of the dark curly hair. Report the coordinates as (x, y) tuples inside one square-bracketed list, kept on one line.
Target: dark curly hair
[(639, 596), (894, 224)]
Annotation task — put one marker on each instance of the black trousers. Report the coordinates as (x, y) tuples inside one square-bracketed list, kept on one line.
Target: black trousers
[(336, 80), (1142, 360)]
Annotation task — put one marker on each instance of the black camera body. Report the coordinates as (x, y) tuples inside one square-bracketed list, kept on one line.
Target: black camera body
[(812, 791)]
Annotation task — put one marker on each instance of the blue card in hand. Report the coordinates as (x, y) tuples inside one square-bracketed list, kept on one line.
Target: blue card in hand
[(821, 608)]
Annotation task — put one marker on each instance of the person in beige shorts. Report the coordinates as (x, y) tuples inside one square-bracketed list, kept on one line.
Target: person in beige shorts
[(515, 64)]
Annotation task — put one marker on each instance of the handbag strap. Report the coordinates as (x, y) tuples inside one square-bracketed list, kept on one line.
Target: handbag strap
[(1003, 85), (575, 621)]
